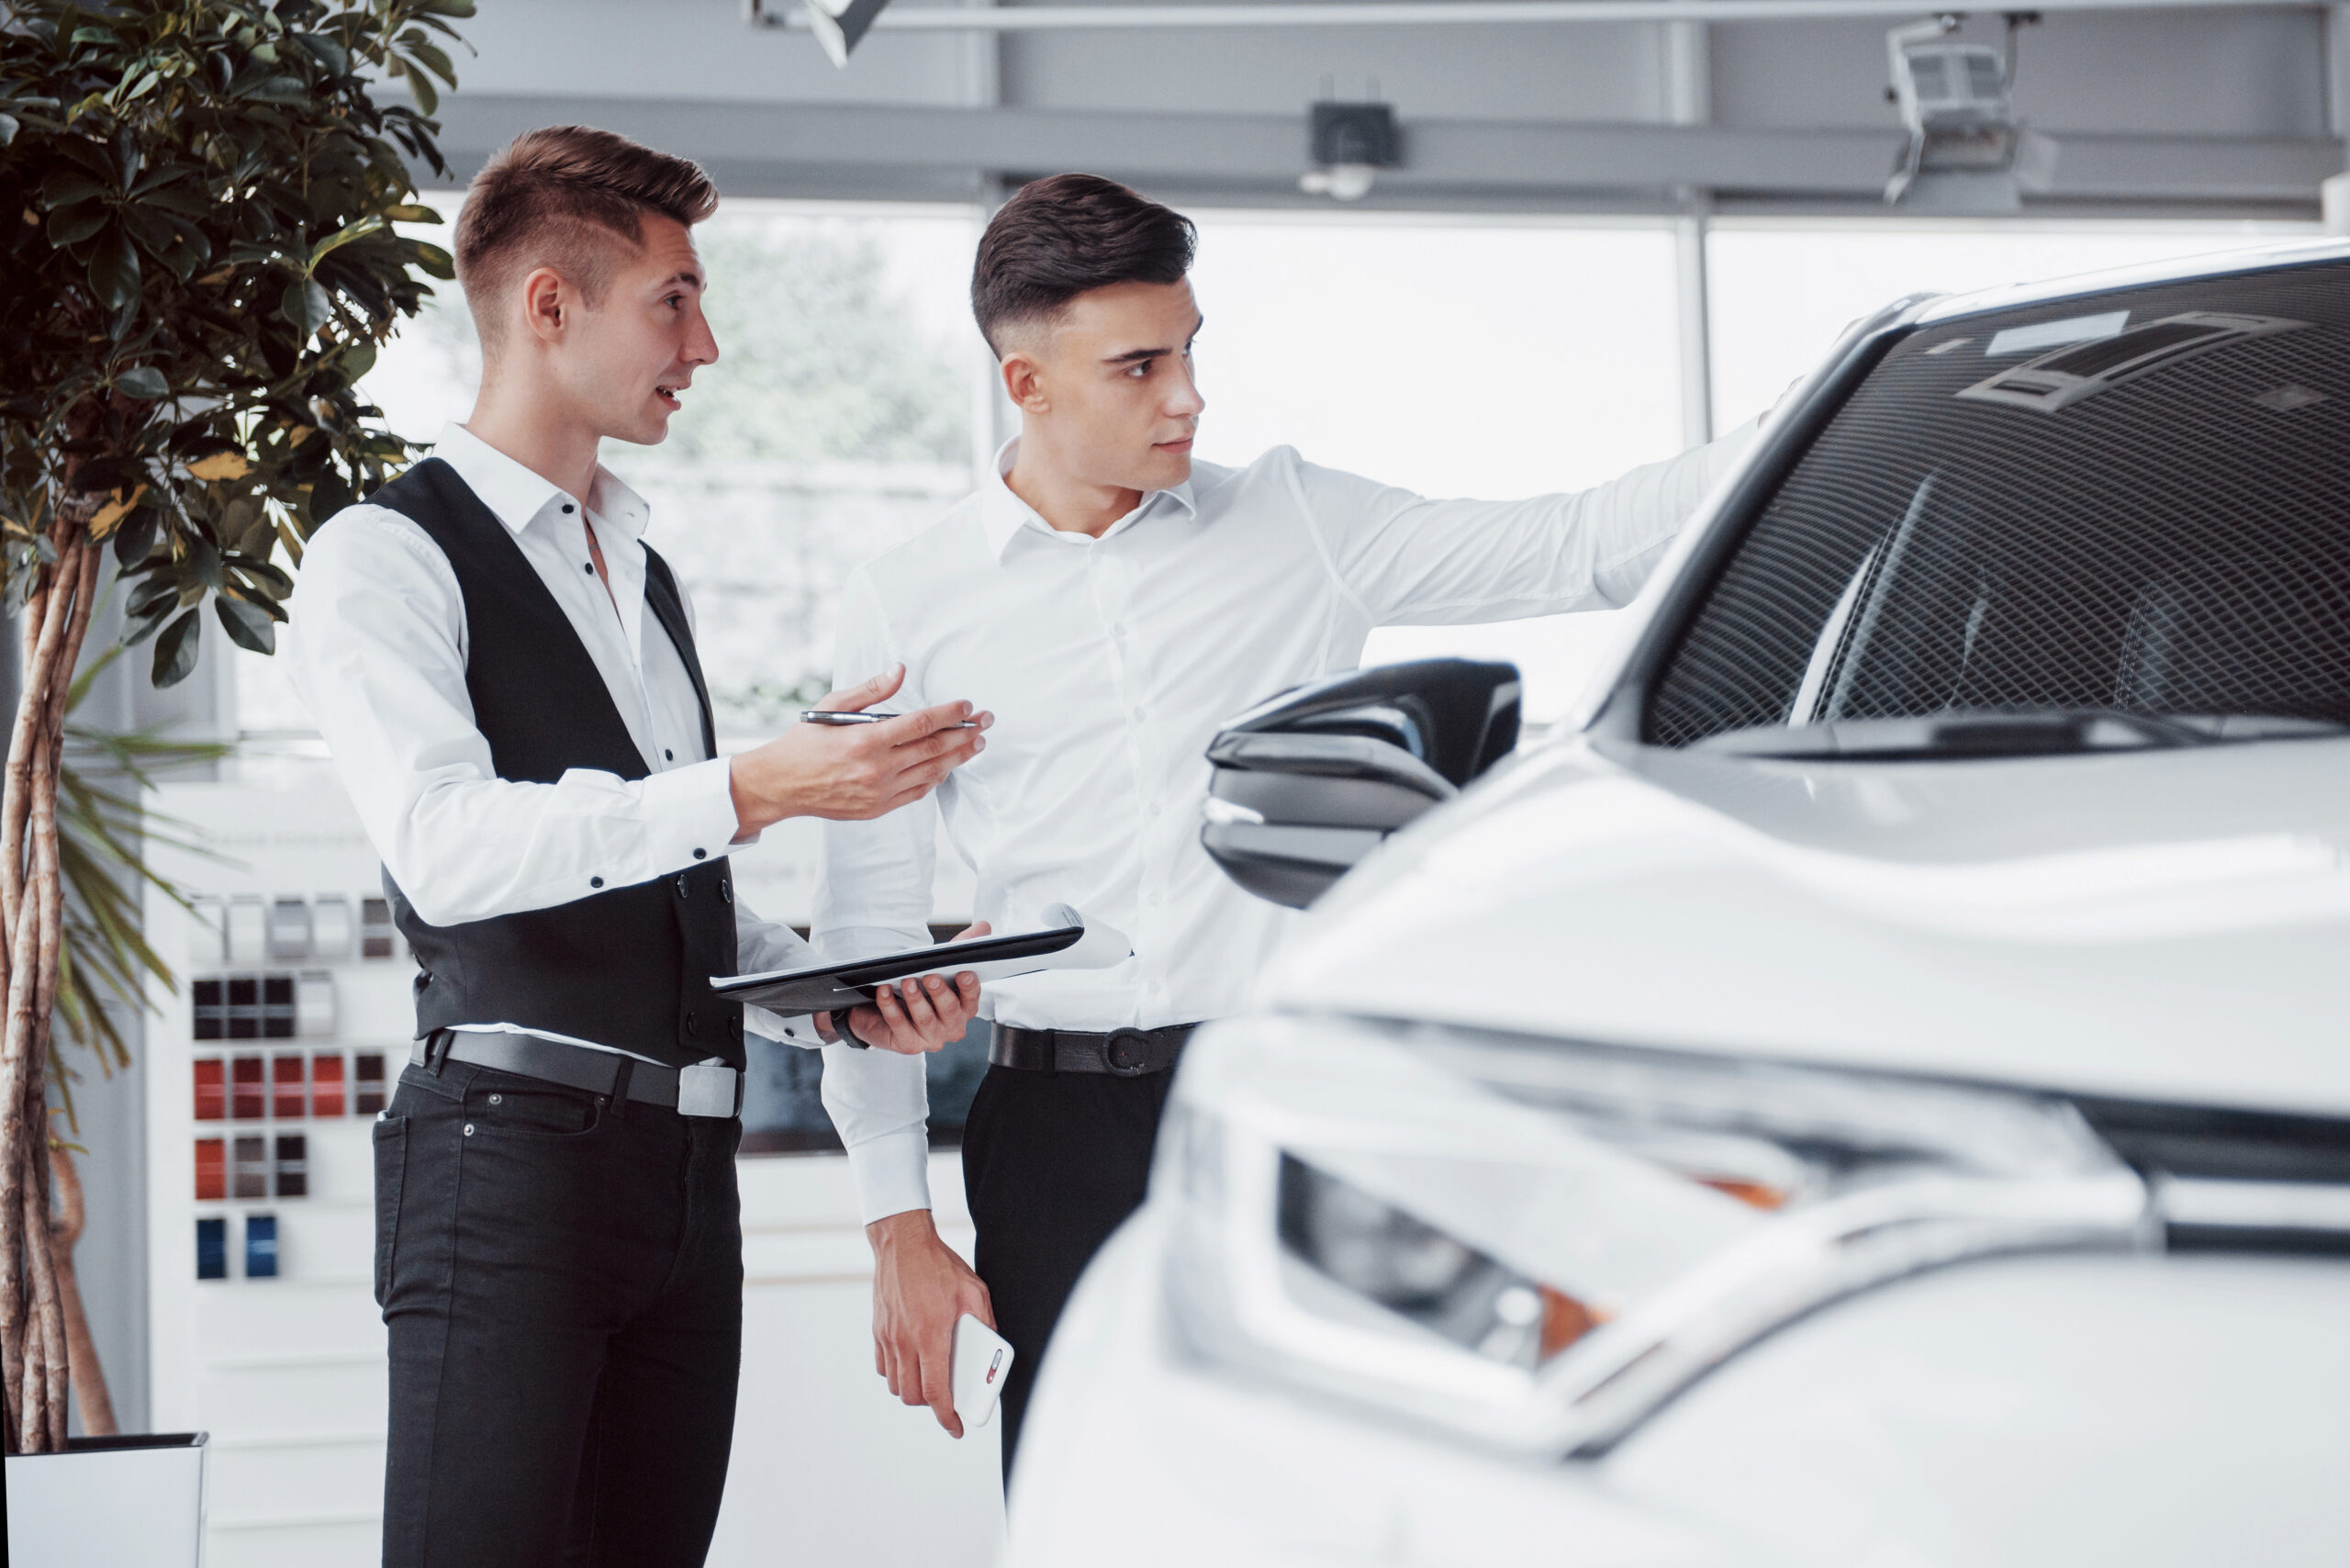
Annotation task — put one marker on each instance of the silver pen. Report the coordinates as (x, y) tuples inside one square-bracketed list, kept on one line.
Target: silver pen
[(826, 716)]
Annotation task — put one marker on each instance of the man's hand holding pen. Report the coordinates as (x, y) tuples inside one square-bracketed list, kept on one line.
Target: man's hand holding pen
[(850, 772)]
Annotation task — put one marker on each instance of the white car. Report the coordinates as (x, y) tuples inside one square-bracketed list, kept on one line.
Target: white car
[(1873, 1090)]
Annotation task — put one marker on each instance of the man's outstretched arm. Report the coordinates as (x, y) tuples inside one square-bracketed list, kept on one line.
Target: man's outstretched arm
[(1408, 560)]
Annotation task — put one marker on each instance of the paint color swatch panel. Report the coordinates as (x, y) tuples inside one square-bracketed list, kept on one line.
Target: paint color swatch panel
[(267, 1074)]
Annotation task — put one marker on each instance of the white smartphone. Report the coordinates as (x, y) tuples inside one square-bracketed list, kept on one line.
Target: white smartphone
[(982, 1361)]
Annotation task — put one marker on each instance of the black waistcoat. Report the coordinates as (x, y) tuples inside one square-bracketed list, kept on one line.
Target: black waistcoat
[(627, 966)]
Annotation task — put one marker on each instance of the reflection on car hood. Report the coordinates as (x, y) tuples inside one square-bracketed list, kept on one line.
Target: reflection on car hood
[(2168, 925)]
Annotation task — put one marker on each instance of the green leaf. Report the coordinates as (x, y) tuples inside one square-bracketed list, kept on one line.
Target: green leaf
[(135, 540), (433, 260), (73, 225), (248, 626), (431, 56), (328, 53), (410, 212), (93, 35), (307, 306), (175, 650), (422, 87), (143, 382), (64, 188), (114, 271), (187, 204), (7, 129), (344, 236), (282, 90), (448, 8), (148, 597), (329, 495), (358, 359)]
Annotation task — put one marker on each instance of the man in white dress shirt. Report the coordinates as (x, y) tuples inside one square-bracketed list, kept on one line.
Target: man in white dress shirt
[(506, 678), (1111, 602)]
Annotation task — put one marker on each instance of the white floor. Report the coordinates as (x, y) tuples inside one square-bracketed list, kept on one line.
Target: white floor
[(828, 1468)]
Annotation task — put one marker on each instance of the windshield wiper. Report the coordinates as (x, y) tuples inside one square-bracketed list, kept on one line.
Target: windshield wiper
[(1997, 732)]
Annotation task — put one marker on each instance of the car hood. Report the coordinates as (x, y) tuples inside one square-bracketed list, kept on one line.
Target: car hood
[(2165, 924)]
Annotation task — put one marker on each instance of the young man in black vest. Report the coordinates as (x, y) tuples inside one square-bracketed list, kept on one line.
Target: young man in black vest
[(506, 676)]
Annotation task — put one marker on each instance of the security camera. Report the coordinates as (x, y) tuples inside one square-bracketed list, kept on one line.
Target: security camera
[(1954, 101)]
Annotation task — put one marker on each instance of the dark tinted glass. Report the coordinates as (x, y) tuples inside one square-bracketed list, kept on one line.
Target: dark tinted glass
[(2160, 525)]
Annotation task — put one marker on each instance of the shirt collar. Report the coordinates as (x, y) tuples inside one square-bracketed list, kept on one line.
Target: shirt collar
[(516, 495), (1003, 514)]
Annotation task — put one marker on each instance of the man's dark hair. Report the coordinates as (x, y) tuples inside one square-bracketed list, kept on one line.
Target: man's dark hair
[(1059, 237)]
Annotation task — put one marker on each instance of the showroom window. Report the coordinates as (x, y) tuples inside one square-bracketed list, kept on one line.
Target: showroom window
[(853, 402)]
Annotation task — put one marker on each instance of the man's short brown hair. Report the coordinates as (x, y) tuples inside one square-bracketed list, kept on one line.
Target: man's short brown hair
[(559, 197), (1057, 238)]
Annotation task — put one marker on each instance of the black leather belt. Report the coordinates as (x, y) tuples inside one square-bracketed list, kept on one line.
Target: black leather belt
[(597, 1073), (1122, 1053)]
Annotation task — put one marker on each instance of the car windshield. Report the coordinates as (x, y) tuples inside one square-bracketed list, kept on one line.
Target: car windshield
[(2125, 516)]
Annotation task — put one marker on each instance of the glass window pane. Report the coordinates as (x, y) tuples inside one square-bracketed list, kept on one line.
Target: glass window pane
[(1468, 357), (1782, 290)]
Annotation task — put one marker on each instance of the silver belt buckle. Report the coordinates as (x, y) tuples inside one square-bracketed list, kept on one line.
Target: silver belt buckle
[(706, 1089)]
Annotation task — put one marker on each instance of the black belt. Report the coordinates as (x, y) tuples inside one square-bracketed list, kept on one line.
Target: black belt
[(577, 1067), (1124, 1053)]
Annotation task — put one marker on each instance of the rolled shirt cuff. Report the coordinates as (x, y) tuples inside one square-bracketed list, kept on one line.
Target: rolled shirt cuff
[(690, 815), (891, 1174)]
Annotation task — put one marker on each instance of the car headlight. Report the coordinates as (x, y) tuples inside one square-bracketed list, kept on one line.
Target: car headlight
[(1536, 1242)]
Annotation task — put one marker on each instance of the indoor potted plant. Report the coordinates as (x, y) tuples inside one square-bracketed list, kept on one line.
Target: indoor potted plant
[(197, 209)]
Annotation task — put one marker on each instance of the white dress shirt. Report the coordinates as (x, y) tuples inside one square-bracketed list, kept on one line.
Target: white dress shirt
[(1110, 663), (376, 650)]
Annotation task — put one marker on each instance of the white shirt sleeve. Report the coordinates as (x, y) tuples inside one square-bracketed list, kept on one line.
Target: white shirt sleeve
[(377, 651), (761, 946), (1411, 561), (873, 887)]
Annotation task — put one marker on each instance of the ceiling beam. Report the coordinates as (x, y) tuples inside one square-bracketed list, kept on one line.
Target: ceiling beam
[(787, 149), (792, 14)]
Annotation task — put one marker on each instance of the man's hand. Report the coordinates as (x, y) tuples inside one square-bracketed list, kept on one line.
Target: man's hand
[(920, 1290), (854, 771), (918, 1015)]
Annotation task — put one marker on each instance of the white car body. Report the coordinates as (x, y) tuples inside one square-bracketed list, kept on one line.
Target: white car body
[(2163, 928)]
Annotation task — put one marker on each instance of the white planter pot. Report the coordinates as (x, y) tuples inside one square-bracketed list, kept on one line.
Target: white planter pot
[(127, 1502)]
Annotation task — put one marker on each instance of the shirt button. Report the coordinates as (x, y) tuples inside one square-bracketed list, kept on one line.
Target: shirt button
[(469, 1129), (594, 881), (701, 854), (566, 509), (589, 568), (669, 755)]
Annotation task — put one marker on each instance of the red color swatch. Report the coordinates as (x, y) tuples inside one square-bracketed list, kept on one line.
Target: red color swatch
[(211, 1093)]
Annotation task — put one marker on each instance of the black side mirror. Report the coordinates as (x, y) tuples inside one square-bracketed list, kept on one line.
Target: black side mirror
[(1309, 782)]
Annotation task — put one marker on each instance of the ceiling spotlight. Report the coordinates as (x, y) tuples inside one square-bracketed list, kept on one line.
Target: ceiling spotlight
[(840, 24), (1348, 143), (1963, 135)]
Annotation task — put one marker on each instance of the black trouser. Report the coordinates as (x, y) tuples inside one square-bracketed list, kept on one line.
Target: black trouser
[(1052, 1163), (563, 1280)]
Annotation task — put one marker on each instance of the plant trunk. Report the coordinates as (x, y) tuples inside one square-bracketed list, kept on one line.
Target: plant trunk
[(87, 1378), (34, 1355)]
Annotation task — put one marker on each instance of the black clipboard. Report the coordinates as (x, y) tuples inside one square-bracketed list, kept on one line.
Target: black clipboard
[(831, 986)]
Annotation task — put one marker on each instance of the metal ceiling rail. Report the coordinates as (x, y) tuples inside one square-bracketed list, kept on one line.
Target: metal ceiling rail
[(1438, 12)]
